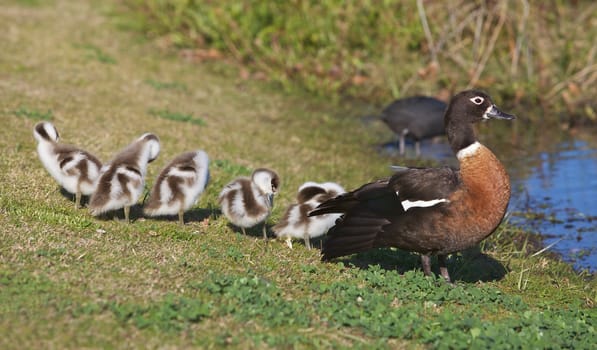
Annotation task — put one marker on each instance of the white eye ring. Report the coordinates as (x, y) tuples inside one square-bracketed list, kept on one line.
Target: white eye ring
[(478, 100)]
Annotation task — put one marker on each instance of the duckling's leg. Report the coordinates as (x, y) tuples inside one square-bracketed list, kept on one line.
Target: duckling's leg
[(264, 232), (307, 241), (443, 268), (418, 148), (243, 230), (181, 217), (127, 210), (78, 199), (289, 242), (426, 262)]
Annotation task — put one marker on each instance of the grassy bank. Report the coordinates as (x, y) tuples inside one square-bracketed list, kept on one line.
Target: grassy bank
[(530, 54), (69, 280)]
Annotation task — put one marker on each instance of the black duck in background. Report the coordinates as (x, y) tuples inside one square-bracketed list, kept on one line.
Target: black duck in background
[(417, 118)]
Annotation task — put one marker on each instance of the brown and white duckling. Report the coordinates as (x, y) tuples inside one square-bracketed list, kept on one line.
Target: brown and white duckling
[(76, 170), (297, 224), (249, 201), (179, 185), (122, 181)]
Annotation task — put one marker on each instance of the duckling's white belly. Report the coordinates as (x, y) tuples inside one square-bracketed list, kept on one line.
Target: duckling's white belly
[(295, 227), (320, 225), (50, 161), (124, 193)]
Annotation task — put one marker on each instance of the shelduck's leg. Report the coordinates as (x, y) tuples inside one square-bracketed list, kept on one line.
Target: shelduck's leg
[(307, 241), (426, 262), (127, 210), (443, 268), (181, 217)]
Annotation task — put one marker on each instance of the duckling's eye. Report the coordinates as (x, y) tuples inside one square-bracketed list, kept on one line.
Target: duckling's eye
[(477, 100)]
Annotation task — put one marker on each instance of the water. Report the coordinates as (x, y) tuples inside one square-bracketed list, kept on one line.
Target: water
[(556, 196)]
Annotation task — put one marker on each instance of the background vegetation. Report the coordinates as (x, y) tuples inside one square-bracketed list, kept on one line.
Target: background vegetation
[(70, 280), (529, 53)]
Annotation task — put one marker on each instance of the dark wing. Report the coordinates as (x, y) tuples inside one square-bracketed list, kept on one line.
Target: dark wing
[(347, 201), (373, 214), (425, 183), (354, 232), (365, 214)]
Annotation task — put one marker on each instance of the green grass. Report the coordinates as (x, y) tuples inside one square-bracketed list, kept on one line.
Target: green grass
[(95, 53), (69, 280), (32, 114), (161, 85), (178, 117)]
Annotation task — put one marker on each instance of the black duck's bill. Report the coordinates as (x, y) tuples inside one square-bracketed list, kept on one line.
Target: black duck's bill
[(496, 113)]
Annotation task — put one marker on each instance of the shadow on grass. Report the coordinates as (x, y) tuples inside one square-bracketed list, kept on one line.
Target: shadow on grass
[(71, 197), (192, 215), (135, 213), (469, 266), (255, 231)]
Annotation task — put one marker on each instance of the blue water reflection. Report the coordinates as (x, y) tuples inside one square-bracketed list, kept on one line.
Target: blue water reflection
[(561, 185)]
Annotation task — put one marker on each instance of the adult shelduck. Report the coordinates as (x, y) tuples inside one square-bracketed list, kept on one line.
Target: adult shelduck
[(432, 211)]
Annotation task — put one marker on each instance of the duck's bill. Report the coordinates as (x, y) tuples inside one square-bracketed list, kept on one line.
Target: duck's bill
[(495, 113), (270, 199)]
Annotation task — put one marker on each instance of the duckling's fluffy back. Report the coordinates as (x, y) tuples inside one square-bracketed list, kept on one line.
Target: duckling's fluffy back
[(179, 184), (243, 203), (121, 182)]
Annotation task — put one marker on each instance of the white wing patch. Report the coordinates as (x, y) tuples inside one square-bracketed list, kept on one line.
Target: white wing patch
[(406, 204)]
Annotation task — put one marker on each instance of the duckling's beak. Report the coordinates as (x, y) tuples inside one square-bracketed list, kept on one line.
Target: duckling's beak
[(270, 198), (495, 113)]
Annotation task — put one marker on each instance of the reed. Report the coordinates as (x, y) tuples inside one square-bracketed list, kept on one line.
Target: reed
[(530, 53)]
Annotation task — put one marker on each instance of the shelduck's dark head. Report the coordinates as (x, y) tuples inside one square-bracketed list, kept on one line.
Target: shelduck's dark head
[(466, 108)]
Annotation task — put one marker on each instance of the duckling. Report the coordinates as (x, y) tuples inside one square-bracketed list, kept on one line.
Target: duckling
[(432, 211), (249, 201), (122, 181), (296, 224), (74, 169), (179, 185)]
